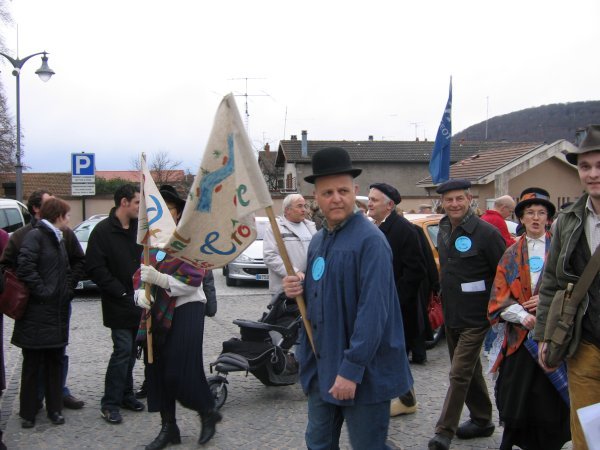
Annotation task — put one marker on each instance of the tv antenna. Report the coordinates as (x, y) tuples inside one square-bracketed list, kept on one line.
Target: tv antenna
[(246, 95), (416, 125)]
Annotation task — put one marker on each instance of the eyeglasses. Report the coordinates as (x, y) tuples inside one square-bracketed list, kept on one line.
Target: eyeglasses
[(540, 214)]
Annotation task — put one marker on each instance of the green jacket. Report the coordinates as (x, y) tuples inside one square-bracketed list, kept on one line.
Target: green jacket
[(558, 272)]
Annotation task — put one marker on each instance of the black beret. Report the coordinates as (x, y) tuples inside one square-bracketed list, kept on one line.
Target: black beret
[(453, 185), (388, 190)]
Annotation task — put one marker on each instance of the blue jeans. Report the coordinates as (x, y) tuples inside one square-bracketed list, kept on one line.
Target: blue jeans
[(367, 424), (118, 383)]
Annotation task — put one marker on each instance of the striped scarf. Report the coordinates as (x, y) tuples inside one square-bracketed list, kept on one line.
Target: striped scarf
[(163, 307)]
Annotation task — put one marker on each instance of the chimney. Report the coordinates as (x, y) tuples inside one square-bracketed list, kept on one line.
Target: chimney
[(304, 144), (293, 137), (371, 138), (267, 148)]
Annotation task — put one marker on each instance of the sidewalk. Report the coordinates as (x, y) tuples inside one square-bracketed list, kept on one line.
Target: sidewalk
[(254, 416)]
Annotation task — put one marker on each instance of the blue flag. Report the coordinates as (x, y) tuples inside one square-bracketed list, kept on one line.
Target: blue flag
[(439, 166)]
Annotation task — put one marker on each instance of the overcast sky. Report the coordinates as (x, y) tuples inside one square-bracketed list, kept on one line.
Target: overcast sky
[(135, 76)]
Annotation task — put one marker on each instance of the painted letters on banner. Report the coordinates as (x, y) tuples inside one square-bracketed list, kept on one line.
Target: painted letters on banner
[(217, 223)]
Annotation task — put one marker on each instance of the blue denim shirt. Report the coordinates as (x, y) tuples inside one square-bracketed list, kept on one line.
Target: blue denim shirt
[(355, 315)]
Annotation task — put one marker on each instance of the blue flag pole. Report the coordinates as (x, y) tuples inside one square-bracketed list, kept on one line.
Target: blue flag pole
[(439, 166)]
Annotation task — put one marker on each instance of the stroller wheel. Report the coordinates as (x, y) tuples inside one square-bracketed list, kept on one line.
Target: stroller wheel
[(218, 389)]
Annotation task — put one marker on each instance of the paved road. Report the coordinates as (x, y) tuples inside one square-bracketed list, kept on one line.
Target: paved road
[(255, 416)]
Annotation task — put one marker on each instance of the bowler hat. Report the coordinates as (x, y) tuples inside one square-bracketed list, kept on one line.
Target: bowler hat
[(388, 190), (169, 193), (331, 161), (534, 196), (590, 143), (453, 185)]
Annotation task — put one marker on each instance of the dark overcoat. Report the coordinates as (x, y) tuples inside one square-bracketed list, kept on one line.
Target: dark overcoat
[(409, 269), (43, 265)]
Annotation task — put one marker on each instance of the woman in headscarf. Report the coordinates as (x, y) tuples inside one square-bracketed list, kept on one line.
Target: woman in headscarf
[(533, 405), (43, 331), (177, 310)]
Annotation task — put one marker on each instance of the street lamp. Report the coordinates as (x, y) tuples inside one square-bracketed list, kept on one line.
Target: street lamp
[(45, 73)]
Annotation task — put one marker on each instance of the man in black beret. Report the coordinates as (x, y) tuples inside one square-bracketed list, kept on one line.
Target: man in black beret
[(409, 271), (469, 250)]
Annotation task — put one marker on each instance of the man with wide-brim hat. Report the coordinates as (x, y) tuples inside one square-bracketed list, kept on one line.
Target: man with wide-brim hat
[(576, 237), (360, 362), (469, 250)]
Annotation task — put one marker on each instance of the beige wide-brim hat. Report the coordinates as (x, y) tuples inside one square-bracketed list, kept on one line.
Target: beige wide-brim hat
[(591, 143)]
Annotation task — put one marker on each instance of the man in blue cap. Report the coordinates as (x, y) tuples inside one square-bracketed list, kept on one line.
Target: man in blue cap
[(469, 250), (359, 361)]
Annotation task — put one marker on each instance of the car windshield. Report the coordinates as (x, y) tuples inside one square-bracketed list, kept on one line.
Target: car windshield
[(260, 229), (83, 231)]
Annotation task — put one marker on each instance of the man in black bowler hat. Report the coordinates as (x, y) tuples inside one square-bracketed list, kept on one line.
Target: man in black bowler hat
[(469, 250), (359, 363), (409, 271)]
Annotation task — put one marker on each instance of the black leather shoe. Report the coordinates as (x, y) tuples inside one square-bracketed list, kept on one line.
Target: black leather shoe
[(209, 424), (439, 442), (56, 418), (133, 405), (470, 430), (27, 423), (169, 434), (71, 402), (111, 416), (142, 391)]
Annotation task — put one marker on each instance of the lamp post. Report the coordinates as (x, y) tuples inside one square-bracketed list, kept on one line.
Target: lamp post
[(45, 73)]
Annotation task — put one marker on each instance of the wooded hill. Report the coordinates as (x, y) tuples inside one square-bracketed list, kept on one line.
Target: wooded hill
[(546, 123)]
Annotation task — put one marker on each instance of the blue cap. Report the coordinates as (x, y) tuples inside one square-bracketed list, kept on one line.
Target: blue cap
[(453, 185)]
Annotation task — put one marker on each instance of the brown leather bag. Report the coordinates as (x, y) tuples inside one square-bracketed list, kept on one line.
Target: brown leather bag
[(14, 297), (560, 323)]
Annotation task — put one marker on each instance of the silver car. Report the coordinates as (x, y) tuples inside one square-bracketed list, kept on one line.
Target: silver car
[(249, 265), (83, 231)]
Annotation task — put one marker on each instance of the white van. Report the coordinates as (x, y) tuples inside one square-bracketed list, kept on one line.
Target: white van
[(13, 215)]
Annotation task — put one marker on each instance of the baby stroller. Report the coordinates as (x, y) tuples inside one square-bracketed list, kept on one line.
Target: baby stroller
[(263, 350)]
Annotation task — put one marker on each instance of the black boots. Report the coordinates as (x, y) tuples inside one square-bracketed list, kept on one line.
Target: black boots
[(169, 434), (209, 422)]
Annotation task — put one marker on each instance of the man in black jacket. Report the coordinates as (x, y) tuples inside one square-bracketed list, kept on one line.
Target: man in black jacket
[(76, 261), (469, 249), (112, 258), (409, 271)]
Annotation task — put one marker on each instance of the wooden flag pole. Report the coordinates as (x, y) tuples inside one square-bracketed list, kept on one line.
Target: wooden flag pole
[(149, 351), (290, 271)]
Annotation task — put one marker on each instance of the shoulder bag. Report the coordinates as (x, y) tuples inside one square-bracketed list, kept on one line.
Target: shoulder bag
[(14, 297), (560, 322)]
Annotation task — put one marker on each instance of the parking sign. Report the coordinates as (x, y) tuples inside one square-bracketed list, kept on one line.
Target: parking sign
[(82, 164)]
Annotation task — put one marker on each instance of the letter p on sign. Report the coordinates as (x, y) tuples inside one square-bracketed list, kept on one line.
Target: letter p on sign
[(82, 164)]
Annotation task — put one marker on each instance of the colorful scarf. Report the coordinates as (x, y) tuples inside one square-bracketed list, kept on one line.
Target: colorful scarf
[(512, 285), (164, 305)]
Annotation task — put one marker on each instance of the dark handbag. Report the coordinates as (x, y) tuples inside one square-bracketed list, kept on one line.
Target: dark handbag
[(560, 323), (14, 297), (434, 311)]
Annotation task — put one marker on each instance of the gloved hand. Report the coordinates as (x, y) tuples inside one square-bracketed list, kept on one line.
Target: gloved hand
[(150, 275), (140, 299)]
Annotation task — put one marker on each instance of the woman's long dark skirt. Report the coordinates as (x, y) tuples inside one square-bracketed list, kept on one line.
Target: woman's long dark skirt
[(178, 369), (534, 415)]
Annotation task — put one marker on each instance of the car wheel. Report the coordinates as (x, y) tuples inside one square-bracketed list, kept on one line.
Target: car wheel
[(438, 334), (218, 389), (230, 281), (225, 271)]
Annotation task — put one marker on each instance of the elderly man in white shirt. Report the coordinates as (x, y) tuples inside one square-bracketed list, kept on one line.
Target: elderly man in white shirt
[(296, 232)]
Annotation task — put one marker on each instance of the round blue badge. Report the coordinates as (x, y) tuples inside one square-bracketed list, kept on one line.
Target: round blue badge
[(318, 268), (160, 255), (536, 263), (463, 244)]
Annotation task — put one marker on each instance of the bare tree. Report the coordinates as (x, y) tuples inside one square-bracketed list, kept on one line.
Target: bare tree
[(164, 170), (7, 129)]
